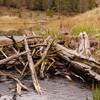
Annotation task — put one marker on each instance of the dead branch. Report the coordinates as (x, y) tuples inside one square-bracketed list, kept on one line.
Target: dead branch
[(44, 54), (32, 68), (17, 80), (4, 61)]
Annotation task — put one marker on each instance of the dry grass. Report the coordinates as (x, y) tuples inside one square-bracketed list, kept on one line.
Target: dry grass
[(89, 21)]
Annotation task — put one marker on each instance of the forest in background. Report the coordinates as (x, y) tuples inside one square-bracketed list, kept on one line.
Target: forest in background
[(63, 6)]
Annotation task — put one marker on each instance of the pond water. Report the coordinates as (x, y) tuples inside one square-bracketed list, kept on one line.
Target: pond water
[(52, 89)]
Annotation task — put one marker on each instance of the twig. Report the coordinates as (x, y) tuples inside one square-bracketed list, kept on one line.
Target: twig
[(4, 61), (3, 53), (20, 58), (44, 54), (17, 80)]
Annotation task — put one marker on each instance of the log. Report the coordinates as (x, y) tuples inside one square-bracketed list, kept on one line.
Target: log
[(79, 67), (32, 68), (5, 41), (73, 54), (85, 71)]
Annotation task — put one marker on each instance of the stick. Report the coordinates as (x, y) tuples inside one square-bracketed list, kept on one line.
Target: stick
[(17, 80), (66, 54), (72, 53), (32, 68), (18, 88), (20, 58), (3, 53), (4, 61), (44, 54)]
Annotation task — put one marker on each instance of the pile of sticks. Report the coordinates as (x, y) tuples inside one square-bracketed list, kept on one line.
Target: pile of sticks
[(41, 57)]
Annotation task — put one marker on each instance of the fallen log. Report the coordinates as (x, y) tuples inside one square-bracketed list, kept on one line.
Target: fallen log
[(84, 70), (6, 41), (73, 54)]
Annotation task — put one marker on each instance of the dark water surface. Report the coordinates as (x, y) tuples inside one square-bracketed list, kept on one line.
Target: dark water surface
[(53, 89)]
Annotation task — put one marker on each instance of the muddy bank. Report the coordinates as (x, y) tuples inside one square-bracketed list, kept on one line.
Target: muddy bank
[(53, 89)]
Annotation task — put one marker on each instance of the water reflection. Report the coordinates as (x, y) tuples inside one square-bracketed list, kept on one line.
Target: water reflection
[(58, 89)]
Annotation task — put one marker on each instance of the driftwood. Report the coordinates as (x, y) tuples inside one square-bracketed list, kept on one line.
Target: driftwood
[(16, 79), (7, 40), (4, 61), (71, 55), (32, 67)]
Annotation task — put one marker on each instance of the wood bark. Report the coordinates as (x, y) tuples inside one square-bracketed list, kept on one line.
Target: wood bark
[(79, 67), (4, 61), (32, 68)]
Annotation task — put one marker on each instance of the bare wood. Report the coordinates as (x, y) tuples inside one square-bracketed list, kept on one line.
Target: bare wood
[(3, 53), (4, 61), (32, 68), (44, 54), (72, 53), (5, 41), (26, 64), (16, 79), (43, 65), (18, 88), (84, 68), (24, 69), (20, 58)]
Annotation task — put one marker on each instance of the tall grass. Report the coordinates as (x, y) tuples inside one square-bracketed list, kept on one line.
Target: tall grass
[(54, 32), (90, 29), (96, 92)]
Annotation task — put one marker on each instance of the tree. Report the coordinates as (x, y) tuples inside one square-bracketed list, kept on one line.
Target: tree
[(1, 2), (64, 6)]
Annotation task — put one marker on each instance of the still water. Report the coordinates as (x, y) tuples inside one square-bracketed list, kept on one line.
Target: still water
[(52, 89)]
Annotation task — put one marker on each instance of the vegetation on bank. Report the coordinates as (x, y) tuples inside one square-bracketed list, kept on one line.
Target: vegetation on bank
[(96, 92), (89, 21), (64, 6)]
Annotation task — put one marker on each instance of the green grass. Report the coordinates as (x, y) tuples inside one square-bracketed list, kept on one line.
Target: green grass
[(54, 32), (90, 29), (96, 92)]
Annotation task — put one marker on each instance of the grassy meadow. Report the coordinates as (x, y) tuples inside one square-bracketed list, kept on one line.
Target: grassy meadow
[(14, 19)]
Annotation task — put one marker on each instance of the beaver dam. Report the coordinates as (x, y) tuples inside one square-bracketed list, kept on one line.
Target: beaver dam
[(32, 57)]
